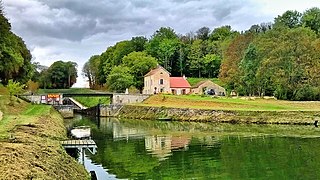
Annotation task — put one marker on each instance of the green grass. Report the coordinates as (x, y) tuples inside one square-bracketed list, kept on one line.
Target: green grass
[(224, 103), (92, 101), (193, 81), (71, 90)]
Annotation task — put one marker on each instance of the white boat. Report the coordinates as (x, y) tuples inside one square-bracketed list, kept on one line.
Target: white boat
[(81, 132)]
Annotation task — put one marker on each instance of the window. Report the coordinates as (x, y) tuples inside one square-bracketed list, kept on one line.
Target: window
[(161, 81)]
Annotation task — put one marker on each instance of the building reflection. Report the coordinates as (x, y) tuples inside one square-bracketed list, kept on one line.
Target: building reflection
[(160, 146)]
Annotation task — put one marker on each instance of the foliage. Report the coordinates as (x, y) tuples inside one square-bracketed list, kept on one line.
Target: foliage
[(14, 89), (15, 58), (277, 58), (139, 64), (119, 79), (59, 75), (91, 71), (32, 86)]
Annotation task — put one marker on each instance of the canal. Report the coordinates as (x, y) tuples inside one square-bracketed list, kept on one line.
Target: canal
[(139, 149)]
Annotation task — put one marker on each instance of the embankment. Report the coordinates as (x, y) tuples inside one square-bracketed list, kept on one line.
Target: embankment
[(232, 116), (33, 150)]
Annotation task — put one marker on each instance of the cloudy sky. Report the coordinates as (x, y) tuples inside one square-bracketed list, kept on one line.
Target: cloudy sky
[(74, 30)]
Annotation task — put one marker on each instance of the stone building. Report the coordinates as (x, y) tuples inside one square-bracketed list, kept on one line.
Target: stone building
[(158, 80), (208, 87)]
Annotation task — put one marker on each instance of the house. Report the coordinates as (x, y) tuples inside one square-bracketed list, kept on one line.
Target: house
[(158, 80), (179, 85), (208, 87)]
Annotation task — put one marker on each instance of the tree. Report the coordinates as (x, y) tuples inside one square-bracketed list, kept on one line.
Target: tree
[(289, 58), (311, 19), (203, 33), (90, 70), (232, 55), (166, 50), (32, 86), (291, 19), (119, 79), (195, 56), (14, 89), (139, 64), (139, 43), (248, 66), (212, 65), (221, 33), (15, 58), (61, 74)]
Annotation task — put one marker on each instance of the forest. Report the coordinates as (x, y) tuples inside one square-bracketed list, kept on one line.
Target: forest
[(279, 58)]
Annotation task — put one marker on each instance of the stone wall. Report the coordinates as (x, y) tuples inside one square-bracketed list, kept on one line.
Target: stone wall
[(65, 110), (128, 98), (186, 114)]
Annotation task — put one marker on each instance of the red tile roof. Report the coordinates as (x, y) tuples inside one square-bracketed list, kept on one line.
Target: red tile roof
[(179, 82)]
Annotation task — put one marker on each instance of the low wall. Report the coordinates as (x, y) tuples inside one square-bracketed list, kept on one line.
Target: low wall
[(65, 110), (186, 114), (128, 98)]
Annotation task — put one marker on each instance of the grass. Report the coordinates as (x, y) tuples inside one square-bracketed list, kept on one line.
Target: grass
[(193, 81), (92, 101), (224, 103), (29, 143), (71, 90)]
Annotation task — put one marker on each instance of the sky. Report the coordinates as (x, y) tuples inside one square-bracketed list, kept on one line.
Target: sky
[(74, 30)]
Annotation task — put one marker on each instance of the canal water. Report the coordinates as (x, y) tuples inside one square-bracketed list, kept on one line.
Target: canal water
[(138, 149)]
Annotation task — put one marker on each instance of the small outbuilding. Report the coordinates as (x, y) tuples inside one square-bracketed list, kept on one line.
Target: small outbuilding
[(208, 87)]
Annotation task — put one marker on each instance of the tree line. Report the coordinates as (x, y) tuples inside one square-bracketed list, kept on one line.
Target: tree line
[(280, 58), (17, 68)]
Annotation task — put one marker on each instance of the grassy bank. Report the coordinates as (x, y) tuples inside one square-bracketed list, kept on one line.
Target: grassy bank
[(234, 104), (30, 143), (92, 101)]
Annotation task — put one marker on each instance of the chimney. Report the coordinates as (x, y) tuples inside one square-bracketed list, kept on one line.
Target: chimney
[(184, 77)]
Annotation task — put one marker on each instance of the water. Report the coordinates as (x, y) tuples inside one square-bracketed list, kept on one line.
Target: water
[(136, 149)]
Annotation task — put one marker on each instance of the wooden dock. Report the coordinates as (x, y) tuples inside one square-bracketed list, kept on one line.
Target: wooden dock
[(79, 144)]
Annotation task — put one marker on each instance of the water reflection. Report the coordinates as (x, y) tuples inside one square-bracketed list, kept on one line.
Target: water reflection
[(136, 149)]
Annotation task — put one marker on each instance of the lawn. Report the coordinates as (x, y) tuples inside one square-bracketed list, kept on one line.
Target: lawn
[(225, 103), (71, 90), (92, 101), (194, 81), (20, 114)]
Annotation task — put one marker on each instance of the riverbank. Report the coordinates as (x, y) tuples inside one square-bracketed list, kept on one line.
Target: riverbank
[(207, 109), (225, 116), (30, 144)]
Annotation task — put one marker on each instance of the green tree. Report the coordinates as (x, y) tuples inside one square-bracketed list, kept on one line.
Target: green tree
[(14, 89), (248, 67), (119, 79), (90, 70), (61, 74), (139, 64), (291, 19), (164, 45), (203, 33), (311, 19), (212, 65), (195, 56), (15, 58)]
